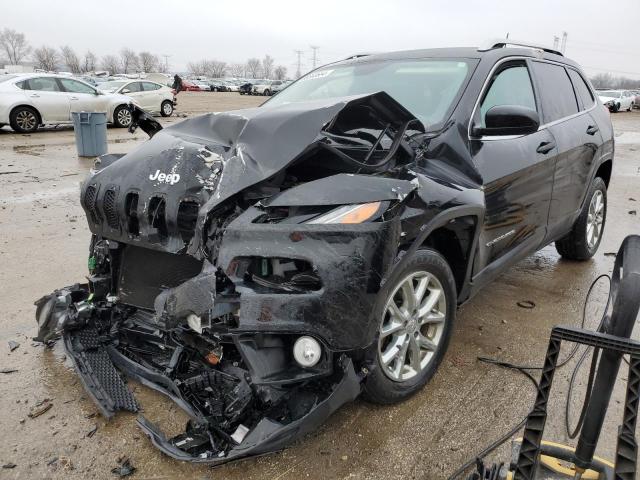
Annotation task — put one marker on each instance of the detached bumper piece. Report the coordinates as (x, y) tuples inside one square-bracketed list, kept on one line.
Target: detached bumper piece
[(98, 374), (239, 390)]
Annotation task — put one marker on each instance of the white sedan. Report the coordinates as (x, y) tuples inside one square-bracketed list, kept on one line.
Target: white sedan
[(616, 100), (28, 101), (150, 96)]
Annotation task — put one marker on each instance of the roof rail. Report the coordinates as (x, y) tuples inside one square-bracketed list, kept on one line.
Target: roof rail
[(357, 55), (507, 42)]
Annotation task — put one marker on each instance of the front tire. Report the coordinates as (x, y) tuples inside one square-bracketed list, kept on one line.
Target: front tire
[(416, 315), (122, 116), (24, 119), (166, 109), (582, 242), (267, 93)]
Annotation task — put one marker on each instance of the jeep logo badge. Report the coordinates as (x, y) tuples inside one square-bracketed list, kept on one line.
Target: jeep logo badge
[(170, 178)]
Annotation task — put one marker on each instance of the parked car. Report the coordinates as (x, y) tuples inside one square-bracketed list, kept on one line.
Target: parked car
[(151, 96), (266, 88), (245, 88), (217, 86), (189, 86), (276, 88), (231, 86), (203, 86), (616, 100), (31, 100), (300, 253)]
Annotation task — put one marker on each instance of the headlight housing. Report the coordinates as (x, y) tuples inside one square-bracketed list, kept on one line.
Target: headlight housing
[(350, 214)]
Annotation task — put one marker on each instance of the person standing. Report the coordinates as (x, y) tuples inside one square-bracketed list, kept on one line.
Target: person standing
[(177, 83)]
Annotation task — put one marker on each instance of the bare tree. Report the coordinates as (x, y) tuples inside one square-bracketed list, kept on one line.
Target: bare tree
[(15, 45), (216, 69), (280, 73), (111, 64), (70, 59), (254, 68), (236, 70), (128, 60), (197, 68), (148, 62), (89, 64), (46, 58), (607, 80), (267, 66)]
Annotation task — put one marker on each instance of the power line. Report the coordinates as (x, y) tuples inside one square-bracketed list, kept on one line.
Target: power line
[(315, 55)]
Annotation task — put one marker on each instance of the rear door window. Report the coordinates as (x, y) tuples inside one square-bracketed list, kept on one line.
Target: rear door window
[(44, 84), (556, 92), (582, 89), (149, 86), (134, 87), (510, 86)]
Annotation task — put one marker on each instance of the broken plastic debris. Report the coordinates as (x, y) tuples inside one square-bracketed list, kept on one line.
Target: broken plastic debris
[(13, 345), (526, 304), (239, 434), (125, 468)]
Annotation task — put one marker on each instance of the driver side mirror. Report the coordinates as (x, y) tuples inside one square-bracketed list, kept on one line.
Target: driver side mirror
[(125, 90), (508, 120)]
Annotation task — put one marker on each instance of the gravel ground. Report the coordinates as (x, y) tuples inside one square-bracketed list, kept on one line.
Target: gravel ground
[(43, 245)]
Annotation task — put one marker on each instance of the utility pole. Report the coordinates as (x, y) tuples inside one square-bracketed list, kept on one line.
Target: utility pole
[(563, 45), (556, 41), (166, 62), (315, 55), (298, 63)]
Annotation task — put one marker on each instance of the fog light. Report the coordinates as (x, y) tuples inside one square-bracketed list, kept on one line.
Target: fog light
[(307, 351)]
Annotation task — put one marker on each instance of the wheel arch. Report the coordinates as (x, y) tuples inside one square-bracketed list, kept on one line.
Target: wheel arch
[(604, 171), (13, 109), (454, 234)]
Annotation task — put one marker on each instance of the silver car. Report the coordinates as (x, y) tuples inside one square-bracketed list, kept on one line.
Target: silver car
[(31, 100)]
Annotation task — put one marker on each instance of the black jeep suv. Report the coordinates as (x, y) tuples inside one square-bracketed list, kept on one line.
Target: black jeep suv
[(262, 267)]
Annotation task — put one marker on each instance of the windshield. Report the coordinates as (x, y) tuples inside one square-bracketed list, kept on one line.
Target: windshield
[(111, 86), (425, 87), (609, 93)]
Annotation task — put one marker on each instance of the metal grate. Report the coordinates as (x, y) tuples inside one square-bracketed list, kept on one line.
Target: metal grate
[(90, 197)]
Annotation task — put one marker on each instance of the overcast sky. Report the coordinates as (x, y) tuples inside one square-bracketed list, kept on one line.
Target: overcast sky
[(602, 36)]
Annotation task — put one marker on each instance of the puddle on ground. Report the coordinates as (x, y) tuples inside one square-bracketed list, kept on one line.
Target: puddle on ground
[(35, 150)]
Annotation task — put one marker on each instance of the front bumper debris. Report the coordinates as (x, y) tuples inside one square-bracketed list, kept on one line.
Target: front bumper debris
[(240, 393)]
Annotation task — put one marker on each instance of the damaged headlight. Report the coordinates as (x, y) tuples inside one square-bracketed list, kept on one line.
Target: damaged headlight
[(359, 213)]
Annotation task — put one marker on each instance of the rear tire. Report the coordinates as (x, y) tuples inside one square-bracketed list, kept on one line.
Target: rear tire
[(582, 242), (166, 109), (24, 119), (122, 116), (421, 327), (267, 92)]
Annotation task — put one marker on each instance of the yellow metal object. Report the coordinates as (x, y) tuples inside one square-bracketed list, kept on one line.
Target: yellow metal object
[(556, 465)]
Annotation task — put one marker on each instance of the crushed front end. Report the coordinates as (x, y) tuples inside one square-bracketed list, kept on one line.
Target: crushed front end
[(219, 277)]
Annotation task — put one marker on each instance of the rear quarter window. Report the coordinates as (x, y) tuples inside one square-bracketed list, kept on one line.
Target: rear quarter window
[(556, 92), (582, 89)]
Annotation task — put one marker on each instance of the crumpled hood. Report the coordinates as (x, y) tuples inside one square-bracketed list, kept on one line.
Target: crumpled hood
[(208, 159)]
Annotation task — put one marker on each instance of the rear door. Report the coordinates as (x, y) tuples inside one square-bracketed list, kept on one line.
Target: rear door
[(47, 96), (152, 96), (517, 171), (566, 115)]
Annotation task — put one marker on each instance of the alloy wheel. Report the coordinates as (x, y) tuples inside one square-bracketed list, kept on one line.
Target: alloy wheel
[(167, 108), (124, 117), (412, 326), (595, 218), (26, 120)]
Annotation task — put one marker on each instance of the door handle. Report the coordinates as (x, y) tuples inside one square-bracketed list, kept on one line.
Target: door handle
[(546, 147), (592, 129), (74, 98), (34, 95)]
